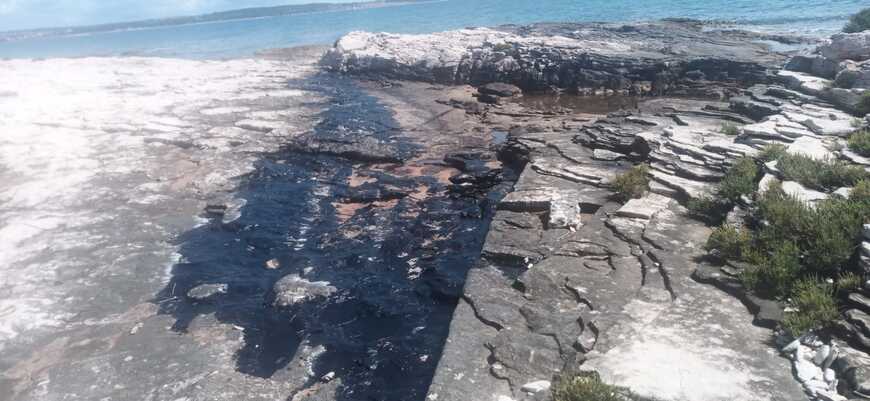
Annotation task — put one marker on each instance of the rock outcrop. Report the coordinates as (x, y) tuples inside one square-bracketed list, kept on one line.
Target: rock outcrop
[(661, 57), (571, 279)]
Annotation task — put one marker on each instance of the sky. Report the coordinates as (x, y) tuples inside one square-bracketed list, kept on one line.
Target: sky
[(28, 14)]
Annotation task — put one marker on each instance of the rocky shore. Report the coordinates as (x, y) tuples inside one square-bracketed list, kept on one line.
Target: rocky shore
[(571, 279)]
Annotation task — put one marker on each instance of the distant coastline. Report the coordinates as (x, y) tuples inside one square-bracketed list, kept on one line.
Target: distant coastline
[(231, 15)]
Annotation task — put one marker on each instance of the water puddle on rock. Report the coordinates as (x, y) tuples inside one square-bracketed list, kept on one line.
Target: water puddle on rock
[(376, 255)]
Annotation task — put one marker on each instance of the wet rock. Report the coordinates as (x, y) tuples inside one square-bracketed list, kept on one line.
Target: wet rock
[(293, 289), (361, 148), (499, 89), (207, 292)]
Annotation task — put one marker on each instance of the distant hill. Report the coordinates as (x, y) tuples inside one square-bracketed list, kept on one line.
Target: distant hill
[(244, 13)]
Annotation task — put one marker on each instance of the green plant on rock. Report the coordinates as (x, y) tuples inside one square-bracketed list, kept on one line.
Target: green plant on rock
[(587, 386), (729, 129), (708, 209), (815, 304), (859, 143), (859, 22), (633, 183), (822, 175), (740, 179), (827, 234), (777, 273), (772, 152), (831, 233), (731, 242), (849, 282), (860, 192)]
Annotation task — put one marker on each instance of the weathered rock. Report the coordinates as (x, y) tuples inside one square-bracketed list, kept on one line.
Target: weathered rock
[(606, 155), (807, 84), (641, 58), (644, 208), (753, 109), (801, 193), (853, 75), (206, 292), (293, 289), (813, 64), (847, 46), (859, 301)]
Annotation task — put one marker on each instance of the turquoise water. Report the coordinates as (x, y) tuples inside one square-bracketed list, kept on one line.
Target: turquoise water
[(245, 37)]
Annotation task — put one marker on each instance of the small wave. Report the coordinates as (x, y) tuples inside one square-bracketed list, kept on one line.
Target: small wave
[(790, 20)]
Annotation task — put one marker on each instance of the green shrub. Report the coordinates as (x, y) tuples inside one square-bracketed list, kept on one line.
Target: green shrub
[(782, 213), (816, 307), (776, 275), (859, 143), (858, 22), (729, 129), (860, 192), (731, 242), (822, 175), (709, 210), (826, 234), (587, 386), (831, 233), (848, 282), (633, 183), (741, 179), (772, 152)]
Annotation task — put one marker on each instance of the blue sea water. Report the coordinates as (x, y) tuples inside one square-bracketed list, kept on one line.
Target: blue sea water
[(244, 37)]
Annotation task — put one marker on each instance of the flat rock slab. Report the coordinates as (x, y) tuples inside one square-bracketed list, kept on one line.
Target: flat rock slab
[(644, 208), (701, 347)]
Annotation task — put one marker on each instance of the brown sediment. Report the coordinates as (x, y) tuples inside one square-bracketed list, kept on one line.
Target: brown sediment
[(356, 179)]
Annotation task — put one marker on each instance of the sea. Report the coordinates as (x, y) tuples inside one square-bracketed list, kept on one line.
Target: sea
[(241, 38)]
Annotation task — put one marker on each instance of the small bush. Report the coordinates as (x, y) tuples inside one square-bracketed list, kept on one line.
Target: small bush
[(740, 180), (731, 242), (830, 233), (709, 210), (822, 175), (861, 192), (848, 282), (633, 183), (729, 129), (827, 234), (776, 275), (859, 143), (772, 152), (859, 22), (587, 386), (816, 307)]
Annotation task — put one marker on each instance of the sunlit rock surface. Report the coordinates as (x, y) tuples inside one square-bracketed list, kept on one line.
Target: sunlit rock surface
[(102, 162)]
